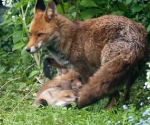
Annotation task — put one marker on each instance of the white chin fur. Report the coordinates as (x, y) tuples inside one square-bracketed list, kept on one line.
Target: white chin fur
[(40, 44), (61, 103), (33, 49)]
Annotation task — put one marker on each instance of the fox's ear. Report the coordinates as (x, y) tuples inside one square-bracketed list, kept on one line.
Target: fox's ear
[(40, 6), (50, 10)]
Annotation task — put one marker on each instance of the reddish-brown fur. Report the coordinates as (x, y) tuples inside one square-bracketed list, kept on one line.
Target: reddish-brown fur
[(63, 87), (67, 80), (56, 96), (114, 45)]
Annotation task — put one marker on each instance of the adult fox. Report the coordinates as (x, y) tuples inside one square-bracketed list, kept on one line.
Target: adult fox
[(114, 45)]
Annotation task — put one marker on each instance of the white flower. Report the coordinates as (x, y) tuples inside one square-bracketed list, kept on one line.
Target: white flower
[(125, 107), (147, 77), (109, 122), (148, 98), (23, 18), (13, 17), (144, 87), (148, 86), (7, 3), (146, 83), (130, 119), (142, 103)]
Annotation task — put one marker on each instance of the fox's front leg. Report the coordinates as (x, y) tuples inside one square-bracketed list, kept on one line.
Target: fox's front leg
[(48, 62)]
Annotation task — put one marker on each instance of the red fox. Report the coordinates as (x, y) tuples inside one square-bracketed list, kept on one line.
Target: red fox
[(114, 45), (61, 90), (66, 79), (56, 96)]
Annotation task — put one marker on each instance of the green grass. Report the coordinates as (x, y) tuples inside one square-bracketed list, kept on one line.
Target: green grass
[(16, 99)]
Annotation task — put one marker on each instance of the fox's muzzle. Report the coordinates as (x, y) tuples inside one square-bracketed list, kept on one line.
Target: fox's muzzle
[(28, 49), (34, 49)]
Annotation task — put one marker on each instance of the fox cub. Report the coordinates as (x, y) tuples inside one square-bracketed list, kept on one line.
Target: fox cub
[(62, 90), (114, 45)]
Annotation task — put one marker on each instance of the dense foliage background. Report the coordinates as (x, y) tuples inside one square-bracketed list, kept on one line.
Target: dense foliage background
[(21, 73)]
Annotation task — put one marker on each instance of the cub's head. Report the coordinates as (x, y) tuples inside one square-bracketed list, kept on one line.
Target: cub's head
[(43, 30), (65, 98), (71, 77), (56, 97)]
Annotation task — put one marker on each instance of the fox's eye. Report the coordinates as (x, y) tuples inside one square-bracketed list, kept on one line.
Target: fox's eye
[(67, 96), (40, 34), (29, 34), (71, 81)]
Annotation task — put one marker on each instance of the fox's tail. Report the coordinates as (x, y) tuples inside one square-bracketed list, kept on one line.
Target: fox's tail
[(107, 79)]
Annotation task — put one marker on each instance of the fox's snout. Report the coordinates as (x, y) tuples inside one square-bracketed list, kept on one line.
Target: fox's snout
[(33, 48), (76, 99), (28, 49)]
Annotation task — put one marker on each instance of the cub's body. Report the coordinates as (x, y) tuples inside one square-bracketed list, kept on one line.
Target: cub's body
[(60, 91)]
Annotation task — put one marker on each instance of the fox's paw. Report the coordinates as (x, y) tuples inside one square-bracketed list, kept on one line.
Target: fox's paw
[(46, 68)]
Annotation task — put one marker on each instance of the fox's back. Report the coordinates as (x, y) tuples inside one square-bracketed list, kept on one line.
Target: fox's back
[(109, 36)]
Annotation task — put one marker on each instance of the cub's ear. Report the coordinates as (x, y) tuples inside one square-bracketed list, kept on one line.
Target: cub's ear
[(40, 6), (62, 71), (50, 10)]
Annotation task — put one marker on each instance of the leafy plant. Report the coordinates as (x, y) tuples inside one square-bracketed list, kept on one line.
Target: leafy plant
[(21, 73)]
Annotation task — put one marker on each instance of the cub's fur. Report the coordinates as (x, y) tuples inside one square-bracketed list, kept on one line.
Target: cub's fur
[(61, 90), (56, 96), (114, 45), (66, 79)]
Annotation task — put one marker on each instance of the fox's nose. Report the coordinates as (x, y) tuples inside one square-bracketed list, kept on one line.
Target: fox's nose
[(28, 49), (80, 86), (76, 99)]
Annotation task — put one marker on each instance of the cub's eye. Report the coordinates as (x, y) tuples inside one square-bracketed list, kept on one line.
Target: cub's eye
[(40, 34), (67, 96), (80, 79), (29, 34), (71, 81)]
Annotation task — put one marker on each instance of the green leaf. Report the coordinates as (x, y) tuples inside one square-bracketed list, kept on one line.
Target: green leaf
[(121, 13), (89, 13), (18, 5), (25, 56), (128, 2), (65, 6), (18, 45), (148, 28), (122, 6), (33, 73), (101, 1), (88, 3), (136, 8), (17, 35)]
